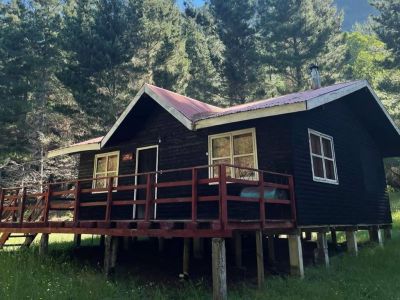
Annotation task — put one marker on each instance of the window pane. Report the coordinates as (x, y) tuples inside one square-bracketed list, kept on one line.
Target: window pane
[(326, 144), (330, 169), (101, 164), (112, 163), (244, 161), (315, 144), (221, 147), (221, 161), (100, 183), (243, 144), (318, 168)]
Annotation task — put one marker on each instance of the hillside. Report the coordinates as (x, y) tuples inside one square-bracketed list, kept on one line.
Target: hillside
[(354, 11)]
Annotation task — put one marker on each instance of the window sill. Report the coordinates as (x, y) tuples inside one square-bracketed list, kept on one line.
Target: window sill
[(323, 180), (105, 192)]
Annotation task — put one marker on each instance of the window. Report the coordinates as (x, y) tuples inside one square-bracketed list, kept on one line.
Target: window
[(323, 160), (105, 165), (235, 148)]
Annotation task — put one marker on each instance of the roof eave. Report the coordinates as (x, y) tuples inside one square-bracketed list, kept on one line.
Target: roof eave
[(73, 150), (251, 114)]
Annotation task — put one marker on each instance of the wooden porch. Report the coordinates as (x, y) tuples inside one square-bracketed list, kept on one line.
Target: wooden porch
[(185, 195)]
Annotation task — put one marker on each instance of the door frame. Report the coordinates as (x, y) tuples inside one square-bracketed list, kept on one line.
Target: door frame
[(136, 178)]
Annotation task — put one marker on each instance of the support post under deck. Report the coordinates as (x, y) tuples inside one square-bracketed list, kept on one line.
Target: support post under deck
[(296, 255), (219, 269), (351, 241), (271, 249), (186, 257), (375, 235), (260, 258), (334, 239), (110, 255), (387, 233), (44, 244), (77, 240), (198, 248), (321, 254), (237, 237)]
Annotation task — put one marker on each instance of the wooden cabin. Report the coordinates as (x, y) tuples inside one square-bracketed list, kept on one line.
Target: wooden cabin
[(172, 166)]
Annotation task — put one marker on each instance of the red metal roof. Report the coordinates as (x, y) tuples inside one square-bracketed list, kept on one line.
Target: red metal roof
[(88, 142), (187, 106), (196, 110), (278, 101)]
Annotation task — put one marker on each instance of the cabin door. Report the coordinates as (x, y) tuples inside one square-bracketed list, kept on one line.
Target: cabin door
[(146, 161)]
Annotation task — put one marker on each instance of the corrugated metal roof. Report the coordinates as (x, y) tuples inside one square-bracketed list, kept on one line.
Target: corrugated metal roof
[(196, 110), (88, 142), (187, 106), (278, 101)]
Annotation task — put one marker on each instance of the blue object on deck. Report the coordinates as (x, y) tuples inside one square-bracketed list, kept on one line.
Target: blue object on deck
[(269, 193)]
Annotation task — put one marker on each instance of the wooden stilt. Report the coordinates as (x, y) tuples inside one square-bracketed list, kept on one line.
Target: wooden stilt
[(238, 249), (351, 241), (161, 245), (219, 269), (308, 236), (388, 233), (334, 238), (28, 241), (375, 235), (271, 249), (321, 253), (260, 258), (198, 248), (102, 241), (114, 252), (44, 244), (77, 240), (186, 257), (296, 255), (126, 241), (110, 255)]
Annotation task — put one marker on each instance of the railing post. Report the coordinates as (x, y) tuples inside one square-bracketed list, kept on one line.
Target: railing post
[(77, 202), (292, 199), (223, 195), (194, 195), (262, 200), (109, 199), (148, 198), (47, 204), (22, 206), (2, 195)]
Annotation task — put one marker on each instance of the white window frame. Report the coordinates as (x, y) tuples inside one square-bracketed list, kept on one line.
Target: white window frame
[(231, 134), (101, 155), (323, 157)]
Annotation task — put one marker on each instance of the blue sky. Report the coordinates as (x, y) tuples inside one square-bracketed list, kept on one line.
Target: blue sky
[(196, 2)]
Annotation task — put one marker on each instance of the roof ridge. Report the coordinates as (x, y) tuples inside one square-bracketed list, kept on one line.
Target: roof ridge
[(187, 97)]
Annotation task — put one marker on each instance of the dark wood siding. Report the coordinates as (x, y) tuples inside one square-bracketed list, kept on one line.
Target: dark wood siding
[(282, 144), (360, 196), (149, 123)]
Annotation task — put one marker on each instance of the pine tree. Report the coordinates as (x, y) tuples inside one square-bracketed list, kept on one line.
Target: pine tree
[(15, 73), (235, 23), (202, 46), (162, 57), (99, 39), (297, 33), (388, 26)]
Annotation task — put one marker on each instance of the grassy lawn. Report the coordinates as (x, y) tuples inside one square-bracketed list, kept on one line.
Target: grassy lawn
[(374, 274)]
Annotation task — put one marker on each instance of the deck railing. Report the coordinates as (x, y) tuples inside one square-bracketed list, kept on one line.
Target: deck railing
[(212, 193)]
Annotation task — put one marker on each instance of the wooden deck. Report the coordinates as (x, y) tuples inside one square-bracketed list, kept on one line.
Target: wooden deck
[(58, 207)]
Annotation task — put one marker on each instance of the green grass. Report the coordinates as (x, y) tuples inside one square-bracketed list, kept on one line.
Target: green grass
[(374, 274)]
